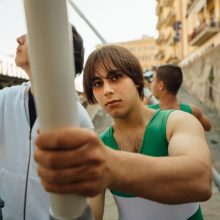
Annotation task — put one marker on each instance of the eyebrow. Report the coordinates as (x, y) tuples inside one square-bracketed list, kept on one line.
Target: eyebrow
[(95, 78), (109, 74)]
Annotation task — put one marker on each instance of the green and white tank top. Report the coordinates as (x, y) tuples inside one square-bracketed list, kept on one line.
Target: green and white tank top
[(154, 144), (183, 107)]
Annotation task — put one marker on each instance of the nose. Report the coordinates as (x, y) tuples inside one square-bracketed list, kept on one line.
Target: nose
[(21, 39), (108, 88)]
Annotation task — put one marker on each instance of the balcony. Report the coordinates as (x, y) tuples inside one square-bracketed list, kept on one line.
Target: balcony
[(161, 21), (171, 18), (204, 32), (160, 55), (172, 59), (195, 6), (160, 39), (168, 37), (159, 8), (168, 3)]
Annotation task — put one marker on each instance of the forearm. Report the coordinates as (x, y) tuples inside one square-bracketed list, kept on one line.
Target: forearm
[(166, 180), (206, 123)]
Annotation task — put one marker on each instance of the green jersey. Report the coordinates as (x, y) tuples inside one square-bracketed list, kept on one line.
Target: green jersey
[(154, 144)]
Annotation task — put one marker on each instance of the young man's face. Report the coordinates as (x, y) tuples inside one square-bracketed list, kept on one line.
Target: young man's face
[(115, 92), (21, 58)]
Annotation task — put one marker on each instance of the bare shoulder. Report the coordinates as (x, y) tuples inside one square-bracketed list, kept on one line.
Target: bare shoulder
[(178, 116), (180, 121), (186, 136)]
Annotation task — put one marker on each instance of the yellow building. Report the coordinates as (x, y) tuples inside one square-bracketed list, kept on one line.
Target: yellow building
[(192, 40), (201, 50), (168, 14), (200, 27), (197, 28), (145, 49)]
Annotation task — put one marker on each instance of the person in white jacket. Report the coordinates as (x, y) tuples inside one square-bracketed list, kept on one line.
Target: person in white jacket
[(20, 187)]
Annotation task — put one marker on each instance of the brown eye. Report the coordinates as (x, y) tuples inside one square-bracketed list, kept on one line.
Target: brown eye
[(97, 83)]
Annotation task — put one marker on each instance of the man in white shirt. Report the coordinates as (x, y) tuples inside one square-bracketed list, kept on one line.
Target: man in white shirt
[(20, 186)]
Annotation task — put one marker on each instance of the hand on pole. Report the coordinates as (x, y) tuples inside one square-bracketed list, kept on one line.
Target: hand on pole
[(73, 160)]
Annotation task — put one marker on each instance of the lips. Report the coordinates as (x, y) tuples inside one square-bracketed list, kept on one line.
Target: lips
[(112, 102)]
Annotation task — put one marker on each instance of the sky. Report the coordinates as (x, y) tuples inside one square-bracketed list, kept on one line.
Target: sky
[(115, 20)]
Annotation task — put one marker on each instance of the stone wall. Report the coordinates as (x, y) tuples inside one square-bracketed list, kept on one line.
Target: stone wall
[(202, 78)]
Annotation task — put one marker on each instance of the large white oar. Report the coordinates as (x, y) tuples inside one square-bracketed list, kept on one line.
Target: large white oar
[(52, 66)]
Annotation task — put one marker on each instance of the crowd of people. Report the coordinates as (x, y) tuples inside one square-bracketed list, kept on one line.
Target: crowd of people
[(154, 157)]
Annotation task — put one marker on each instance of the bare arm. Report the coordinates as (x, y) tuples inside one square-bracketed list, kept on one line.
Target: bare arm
[(74, 160), (201, 117), (184, 176)]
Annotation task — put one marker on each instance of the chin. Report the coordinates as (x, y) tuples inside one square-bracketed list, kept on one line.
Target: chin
[(17, 63), (117, 114)]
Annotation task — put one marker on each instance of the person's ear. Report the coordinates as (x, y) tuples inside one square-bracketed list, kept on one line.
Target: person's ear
[(161, 85)]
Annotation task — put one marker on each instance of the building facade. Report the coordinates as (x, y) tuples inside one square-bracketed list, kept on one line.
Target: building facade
[(196, 44), (168, 13), (145, 49)]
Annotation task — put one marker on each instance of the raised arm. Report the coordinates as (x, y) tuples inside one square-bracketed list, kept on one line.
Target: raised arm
[(201, 117), (74, 160), (184, 176)]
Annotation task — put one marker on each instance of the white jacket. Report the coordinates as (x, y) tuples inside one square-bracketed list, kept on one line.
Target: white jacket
[(17, 173)]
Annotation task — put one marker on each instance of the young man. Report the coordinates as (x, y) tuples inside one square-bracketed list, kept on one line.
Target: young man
[(156, 163), (166, 83), (20, 185)]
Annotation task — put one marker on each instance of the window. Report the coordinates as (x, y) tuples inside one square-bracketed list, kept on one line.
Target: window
[(152, 47)]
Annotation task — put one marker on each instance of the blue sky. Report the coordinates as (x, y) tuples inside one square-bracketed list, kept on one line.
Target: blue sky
[(116, 20)]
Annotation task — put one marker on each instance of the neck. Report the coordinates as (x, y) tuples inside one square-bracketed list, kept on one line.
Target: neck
[(168, 100), (28, 72), (136, 118)]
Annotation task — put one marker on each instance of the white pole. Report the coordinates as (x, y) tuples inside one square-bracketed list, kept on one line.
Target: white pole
[(79, 12), (51, 58)]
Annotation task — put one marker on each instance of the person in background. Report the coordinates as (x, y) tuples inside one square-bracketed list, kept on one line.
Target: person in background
[(20, 185), (156, 162), (149, 99), (165, 86)]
